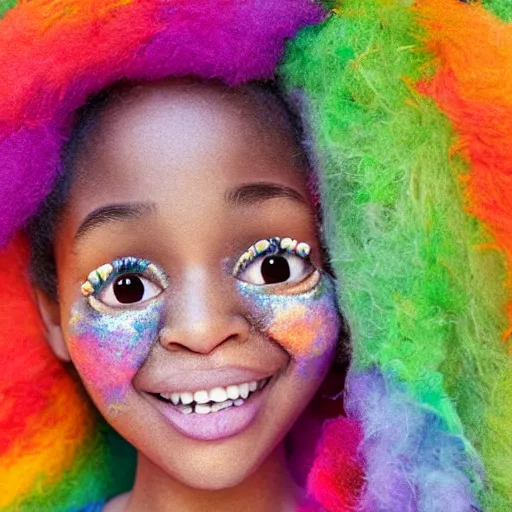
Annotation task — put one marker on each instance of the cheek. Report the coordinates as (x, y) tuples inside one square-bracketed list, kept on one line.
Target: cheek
[(108, 350), (308, 332), (307, 326)]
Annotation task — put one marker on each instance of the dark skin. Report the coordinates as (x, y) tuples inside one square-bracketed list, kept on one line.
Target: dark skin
[(182, 152)]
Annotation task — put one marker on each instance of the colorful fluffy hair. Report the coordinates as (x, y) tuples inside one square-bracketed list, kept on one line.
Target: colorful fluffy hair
[(409, 111)]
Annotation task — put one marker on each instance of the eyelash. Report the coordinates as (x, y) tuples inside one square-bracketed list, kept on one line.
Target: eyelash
[(269, 246), (105, 274)]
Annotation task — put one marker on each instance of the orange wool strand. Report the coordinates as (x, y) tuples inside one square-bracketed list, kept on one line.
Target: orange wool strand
[(474, 89)]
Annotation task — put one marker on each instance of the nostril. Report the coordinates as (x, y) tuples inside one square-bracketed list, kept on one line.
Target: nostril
[(233, 337), (164, 337)]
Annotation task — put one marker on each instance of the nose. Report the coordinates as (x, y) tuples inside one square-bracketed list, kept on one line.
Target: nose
[(202, 315)]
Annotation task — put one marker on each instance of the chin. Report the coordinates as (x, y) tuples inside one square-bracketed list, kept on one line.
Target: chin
[(214, 472), (218, 481)]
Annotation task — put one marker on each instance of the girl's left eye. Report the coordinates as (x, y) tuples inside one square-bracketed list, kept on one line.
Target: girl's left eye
[(276, 268), (129, 289)]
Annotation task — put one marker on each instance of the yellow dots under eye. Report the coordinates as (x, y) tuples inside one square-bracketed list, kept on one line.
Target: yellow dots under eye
[(95, 278), (87, 289)]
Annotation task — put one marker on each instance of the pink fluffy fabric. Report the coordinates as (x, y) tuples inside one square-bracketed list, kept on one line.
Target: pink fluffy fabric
[(50, 67), (336, 478)]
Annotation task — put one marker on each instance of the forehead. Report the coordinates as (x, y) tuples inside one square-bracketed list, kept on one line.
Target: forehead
[(184, 149), (187, 132)]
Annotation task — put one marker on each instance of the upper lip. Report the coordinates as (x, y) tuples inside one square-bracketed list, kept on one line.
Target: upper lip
[(196, 380)]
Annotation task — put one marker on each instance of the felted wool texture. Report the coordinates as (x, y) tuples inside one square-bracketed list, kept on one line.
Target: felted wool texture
[(413, 462), (422, 295), (401, 243), (501, 8), (54, 453), (336, 477), (474, 89), (43, 82)]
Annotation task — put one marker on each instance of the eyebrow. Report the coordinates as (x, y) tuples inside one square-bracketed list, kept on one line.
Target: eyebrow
[(112, 213), (243, 195), (254, 193)]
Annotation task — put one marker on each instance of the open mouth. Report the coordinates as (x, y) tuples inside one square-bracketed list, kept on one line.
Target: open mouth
[(213, 400), (216, 413)]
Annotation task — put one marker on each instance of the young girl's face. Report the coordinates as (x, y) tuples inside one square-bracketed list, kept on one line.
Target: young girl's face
[(192, 298)]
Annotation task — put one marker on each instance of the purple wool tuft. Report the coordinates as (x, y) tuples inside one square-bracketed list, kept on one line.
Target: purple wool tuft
[(413, 462), (54, 68)]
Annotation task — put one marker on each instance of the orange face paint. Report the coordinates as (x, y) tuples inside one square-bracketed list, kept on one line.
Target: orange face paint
[(303, 319)]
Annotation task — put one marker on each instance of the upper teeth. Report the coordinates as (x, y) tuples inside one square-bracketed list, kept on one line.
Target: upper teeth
[(217, 394)]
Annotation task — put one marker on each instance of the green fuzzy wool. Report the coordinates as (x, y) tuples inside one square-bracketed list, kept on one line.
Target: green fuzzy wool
[(423, 301), (501, 8), (104, 467), (5, 5)]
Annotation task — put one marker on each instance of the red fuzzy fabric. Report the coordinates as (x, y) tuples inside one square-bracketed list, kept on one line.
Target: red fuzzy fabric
[(336, 478), (29, 370)]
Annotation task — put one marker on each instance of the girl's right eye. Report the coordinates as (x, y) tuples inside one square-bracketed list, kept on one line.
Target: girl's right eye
[(129, 289), (124, 282)]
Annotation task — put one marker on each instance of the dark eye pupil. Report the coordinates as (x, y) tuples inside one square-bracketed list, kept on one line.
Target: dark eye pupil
[(275, 269), (128, 289)]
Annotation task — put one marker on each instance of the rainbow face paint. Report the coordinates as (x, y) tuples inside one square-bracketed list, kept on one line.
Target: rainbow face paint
[(299, 314), (109, 343)]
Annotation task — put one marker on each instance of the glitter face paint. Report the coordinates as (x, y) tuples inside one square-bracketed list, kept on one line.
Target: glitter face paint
[(302, 317), (108, 350), (109, 344)]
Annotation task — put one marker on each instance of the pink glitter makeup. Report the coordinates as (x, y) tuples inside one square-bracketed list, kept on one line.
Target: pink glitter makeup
[(109, 344), (109, 349)]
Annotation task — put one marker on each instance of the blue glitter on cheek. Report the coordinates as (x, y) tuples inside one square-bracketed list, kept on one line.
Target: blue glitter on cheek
[(108, 349)]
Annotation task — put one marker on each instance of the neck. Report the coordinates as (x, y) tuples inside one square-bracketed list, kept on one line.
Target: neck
[(270, 489)]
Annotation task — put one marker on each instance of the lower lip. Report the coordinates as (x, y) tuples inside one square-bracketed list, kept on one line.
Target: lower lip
[(215, 425)]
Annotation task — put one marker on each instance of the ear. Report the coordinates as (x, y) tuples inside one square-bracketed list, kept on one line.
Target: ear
[(50, 314)]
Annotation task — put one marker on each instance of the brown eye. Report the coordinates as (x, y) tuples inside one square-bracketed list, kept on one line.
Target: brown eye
[(129, 289), (276, 268)]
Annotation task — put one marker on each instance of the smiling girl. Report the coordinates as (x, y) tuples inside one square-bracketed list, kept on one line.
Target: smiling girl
[(163, 165), (205, 323)]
